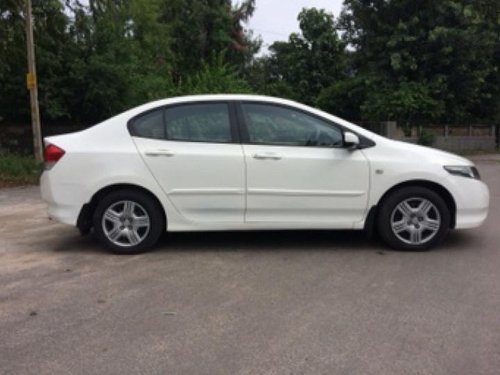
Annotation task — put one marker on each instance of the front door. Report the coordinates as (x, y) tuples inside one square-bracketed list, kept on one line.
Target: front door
[(298, 172)]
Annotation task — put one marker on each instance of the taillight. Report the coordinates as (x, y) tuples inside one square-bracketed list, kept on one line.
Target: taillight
[(51, 155)]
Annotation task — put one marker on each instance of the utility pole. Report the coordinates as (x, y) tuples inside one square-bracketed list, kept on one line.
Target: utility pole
[(31, 83)]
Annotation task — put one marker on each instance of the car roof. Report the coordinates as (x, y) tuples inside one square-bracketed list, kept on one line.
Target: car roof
[(216, 97)]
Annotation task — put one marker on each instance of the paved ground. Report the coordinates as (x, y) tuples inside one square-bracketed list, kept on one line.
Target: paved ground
[(246, 303)]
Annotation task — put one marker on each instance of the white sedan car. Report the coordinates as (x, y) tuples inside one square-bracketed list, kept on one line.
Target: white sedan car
[(240, 162)]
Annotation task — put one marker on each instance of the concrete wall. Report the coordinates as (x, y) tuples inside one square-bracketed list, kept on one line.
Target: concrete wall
[(454, 143), (467, 143), (459, 144)]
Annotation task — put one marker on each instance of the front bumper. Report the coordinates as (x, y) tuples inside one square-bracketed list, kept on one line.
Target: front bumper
[(472, 198)]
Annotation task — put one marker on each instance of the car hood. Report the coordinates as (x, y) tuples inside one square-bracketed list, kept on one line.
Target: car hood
[(417, 152)]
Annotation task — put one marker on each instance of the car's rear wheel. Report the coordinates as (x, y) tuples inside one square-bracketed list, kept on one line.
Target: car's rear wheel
[(128, 221), (413, 218)]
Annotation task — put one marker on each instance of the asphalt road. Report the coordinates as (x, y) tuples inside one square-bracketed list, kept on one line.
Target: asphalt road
[(246, 303)]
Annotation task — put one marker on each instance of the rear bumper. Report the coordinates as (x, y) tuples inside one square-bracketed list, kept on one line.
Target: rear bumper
[(63, 200)]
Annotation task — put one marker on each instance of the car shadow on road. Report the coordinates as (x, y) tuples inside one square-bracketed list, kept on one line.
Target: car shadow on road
[(293, 240), (461, 240), (300, 240)]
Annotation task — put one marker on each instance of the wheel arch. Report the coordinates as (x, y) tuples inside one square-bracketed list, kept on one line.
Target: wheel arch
[(437, 188), (84, 222)]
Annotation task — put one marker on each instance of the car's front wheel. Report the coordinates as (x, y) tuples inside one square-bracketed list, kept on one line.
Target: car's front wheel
[(128, 221), (413, 218)]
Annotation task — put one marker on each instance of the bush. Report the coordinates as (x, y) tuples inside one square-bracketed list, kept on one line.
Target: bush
[(18, 169), (426, 138), (214, 78), (344, 98)]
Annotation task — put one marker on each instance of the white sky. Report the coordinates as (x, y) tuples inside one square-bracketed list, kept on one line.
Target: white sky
[(275, 19)]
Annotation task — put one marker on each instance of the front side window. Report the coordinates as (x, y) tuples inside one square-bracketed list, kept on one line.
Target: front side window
[(277, 125), (204, 122)]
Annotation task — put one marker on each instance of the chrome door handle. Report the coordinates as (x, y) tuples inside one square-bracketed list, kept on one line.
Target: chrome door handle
[(267, 156), (166, 153)]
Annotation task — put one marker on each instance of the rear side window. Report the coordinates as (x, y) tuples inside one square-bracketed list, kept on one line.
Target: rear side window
[(149, 125), (205, 122)]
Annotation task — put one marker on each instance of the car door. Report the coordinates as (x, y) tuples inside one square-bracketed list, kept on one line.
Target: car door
[(191, 151), (298, 170)]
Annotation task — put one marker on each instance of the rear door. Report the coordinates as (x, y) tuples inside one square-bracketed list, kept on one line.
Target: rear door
[(191, 150)]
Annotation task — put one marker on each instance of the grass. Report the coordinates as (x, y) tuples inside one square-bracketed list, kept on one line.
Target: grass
[(18, 170)]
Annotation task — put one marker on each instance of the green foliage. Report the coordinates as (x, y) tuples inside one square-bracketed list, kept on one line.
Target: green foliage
[(344, 97), (201, 28), (260, 77), (426, 138), (437, 59), (308, 62), (217, 77), (49, 17), (407, 101), (120, 54), (404, 60), (97, 58), (18, 169)]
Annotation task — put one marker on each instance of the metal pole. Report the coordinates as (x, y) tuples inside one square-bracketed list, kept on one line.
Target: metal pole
[(31, 83)]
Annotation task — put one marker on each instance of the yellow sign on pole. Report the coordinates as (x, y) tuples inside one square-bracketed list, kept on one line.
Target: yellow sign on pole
[(30, 81)]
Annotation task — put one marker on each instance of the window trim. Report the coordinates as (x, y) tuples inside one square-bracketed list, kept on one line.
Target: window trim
[(233, 122), (245, 137)]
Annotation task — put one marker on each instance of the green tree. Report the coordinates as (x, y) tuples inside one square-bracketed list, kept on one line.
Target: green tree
[(215, 77), (201, 28), (94, 59), (425, 59), (12, 84), (308, 62), (344, 97), (50, 24), (119, 57)]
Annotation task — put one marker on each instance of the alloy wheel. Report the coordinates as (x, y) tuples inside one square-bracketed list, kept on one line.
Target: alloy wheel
[(415, 221), (126, 223)]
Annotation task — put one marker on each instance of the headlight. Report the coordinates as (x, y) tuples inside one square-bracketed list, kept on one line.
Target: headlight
[(463, 170)]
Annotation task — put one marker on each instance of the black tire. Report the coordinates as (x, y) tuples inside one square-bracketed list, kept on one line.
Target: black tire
[(388, 206), (147, 204)]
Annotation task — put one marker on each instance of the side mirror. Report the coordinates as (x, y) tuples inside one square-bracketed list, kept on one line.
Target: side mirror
[(351, 140)]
